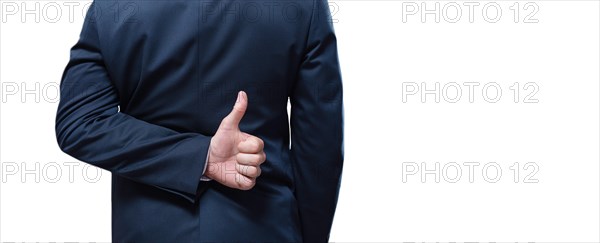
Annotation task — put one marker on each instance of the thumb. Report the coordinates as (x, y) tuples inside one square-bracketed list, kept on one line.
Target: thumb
[(239, 109)]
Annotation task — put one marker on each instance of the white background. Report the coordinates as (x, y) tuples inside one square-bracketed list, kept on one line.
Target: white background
[(382, 58)]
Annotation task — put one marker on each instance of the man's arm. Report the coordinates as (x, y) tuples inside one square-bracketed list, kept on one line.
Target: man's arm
[(90, 128), (317, 128)]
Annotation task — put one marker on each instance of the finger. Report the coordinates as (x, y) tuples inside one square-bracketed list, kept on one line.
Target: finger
[(251, 145), (237, 113), (244, 183), (251, 159), (248, 171)]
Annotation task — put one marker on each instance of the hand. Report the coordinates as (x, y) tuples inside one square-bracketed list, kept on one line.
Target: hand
[(234, 156)]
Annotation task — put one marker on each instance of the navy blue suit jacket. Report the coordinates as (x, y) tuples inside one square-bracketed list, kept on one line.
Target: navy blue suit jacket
[(147, 85)]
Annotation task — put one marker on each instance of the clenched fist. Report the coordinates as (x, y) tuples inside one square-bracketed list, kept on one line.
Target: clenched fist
[(234, 156)]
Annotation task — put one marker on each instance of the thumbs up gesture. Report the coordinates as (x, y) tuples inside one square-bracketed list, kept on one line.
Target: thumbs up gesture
[(234, 156)]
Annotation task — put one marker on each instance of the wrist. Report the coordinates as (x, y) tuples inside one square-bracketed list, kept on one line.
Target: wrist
[(207, 164)]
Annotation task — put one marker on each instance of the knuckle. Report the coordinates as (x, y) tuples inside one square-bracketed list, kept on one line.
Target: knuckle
[(254, 146), (241, 182), (256, 160), (255, 172), (247, 185), (251, 172), (258, 171)]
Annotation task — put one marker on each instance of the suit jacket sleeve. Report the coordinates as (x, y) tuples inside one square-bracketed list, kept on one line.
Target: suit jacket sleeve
[(317, 128), (90, 128)]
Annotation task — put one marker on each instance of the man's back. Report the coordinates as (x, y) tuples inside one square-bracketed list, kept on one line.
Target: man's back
[(174, 68)]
